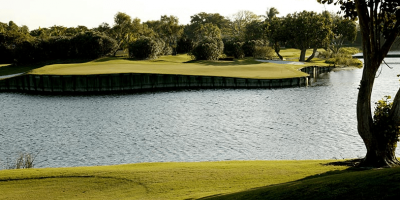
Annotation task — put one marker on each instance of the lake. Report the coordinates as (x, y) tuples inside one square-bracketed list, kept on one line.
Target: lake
[(315, 122)]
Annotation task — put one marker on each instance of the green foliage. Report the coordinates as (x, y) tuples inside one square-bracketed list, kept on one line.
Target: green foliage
[(207, 30), (11, 36), (88, 45), (276, 33), (255, 31), (239, 22), (308, 29), (168, 30), (234, 48), (271, 13), (343, 57), (146, 48), (184, 45), (263, 52), (249, 47), (208, 49), (383, 123), (213, 18), (344, 60), (349, 50)]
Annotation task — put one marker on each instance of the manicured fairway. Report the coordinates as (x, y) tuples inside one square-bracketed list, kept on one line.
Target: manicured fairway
[(182, 64)]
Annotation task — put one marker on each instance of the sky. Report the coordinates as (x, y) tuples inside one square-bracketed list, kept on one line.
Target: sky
[(91, 13)]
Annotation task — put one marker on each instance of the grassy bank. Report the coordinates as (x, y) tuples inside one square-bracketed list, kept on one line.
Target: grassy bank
[(156, 180)]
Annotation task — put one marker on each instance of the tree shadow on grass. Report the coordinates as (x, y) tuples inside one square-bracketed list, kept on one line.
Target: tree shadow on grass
[(25, 68), (245, 61), (339, 184)]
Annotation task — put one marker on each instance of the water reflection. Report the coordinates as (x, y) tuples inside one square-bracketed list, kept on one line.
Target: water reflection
[(316, 122)]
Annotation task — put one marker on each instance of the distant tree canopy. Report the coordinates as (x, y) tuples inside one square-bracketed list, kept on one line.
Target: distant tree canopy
[(237, 35), (85, 45), (239, 21)]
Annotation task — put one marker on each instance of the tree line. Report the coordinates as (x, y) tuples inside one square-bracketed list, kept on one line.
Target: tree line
[(208, 36)]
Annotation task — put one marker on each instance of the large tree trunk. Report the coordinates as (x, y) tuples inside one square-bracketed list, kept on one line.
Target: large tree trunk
[(380, 151), (303, 55), (312, 55), (277, 49)]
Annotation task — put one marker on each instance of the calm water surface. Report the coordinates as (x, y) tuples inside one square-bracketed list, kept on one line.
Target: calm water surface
[(317, 122)]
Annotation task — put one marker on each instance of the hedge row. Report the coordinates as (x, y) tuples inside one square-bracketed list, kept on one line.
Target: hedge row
[(88, 45)]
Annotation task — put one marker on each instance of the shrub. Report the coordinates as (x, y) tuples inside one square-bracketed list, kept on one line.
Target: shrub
[(167, 50), (232, 48), (208, 49), (349, 50), (263, 52), (146, 48), (250, 46), (184, 45), (383, 122), (343, 59), (325, 54)]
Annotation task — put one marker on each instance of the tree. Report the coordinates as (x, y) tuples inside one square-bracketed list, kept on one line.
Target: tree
[(11, 36), (239, 22), (271, 13), (213, 18), (207, 18), (170, 30), (343, 29), (207, 31), (307, 30), (376, 18), (122, 30), (208, 43), (276, 33), (254, 31)]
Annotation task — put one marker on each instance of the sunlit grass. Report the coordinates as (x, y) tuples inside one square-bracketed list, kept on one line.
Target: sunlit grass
[(182, 65), (154, 180)]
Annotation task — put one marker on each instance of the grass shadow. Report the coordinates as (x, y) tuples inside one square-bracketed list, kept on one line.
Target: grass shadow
[(244, 61), (24, 68), (351, 183), (109, 58)]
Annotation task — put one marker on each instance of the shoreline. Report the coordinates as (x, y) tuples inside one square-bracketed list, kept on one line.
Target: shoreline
[(137, 82)]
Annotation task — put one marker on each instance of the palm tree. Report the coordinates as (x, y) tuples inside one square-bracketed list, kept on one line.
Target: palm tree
[(271, 13)]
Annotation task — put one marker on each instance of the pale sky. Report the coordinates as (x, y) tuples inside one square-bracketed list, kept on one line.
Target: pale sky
[(91, 13)]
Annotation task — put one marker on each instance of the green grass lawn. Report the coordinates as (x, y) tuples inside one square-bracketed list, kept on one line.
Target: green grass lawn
[(181, 64), (156, 180), (245, 180)]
